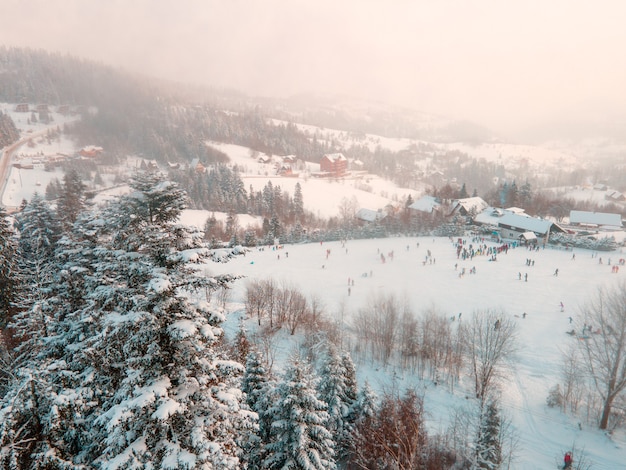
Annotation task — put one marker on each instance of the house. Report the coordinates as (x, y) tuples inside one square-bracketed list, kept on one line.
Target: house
[(468, 206), (595, 219), (335, 164), (614, 196), (369, 216), (511, 226), (427, 204), (90, 151), (356, 164), (22, 108)]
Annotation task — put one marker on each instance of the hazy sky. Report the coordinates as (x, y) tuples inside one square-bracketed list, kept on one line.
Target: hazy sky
[(504, 63)]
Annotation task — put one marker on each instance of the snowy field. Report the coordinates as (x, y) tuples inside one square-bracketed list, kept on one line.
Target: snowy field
[(544, 433), (322, 196)]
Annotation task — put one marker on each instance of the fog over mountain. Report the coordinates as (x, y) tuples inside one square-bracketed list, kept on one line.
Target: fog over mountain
[(510, 66)]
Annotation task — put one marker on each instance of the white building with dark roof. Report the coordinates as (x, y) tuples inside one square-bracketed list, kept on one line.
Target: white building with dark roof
[(513, 226)]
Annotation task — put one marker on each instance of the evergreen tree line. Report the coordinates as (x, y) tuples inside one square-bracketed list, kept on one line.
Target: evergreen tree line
[(321, 419)]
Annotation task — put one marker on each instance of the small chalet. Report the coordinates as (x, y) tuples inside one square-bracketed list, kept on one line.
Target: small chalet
[(595, 219), (22, 108), (427, 204), (335, 164), (527, 238)]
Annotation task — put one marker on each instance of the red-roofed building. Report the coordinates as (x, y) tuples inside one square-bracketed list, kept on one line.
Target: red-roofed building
[(334, 163)]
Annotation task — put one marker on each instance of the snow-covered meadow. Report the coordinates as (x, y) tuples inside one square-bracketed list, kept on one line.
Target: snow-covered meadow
[(544, 433)]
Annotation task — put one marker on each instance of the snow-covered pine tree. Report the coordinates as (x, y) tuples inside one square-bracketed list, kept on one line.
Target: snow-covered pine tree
[(9, 277), (23, 429), (298, 203), (488, 447), (259, 387), (176, 402), (337, 389), (72, 198), (299, 439), (39, 232), (362, 414)]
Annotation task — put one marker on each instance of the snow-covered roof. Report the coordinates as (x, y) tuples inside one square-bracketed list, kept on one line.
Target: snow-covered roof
[(595, 218), (335, 157), (477, 204), (369, 215), (528, 236), (425, 204), (615, 195), (490, 216), (525, 222)]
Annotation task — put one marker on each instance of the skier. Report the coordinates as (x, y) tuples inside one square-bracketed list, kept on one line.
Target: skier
[(567, 460)]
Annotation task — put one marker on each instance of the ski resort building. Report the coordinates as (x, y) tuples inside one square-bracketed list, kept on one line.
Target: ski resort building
[(517, 227)]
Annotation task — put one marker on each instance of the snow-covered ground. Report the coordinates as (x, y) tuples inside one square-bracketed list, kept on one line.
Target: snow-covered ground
[(544, 433)]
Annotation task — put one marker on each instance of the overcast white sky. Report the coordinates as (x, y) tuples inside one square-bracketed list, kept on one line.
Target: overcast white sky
[(504, 63)]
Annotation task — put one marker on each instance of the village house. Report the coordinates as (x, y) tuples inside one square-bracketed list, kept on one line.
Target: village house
[(22, 108), (334, 164), (427, 204), (370, 216), (614, 196), (468, 206), (90, 151)]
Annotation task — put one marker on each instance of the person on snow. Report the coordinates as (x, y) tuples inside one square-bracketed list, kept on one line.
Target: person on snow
[(567, 460)]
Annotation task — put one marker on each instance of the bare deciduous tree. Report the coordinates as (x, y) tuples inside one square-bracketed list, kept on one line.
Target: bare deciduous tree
[(489, 340), (573, 386), (605, 348)]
